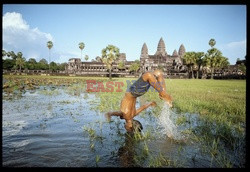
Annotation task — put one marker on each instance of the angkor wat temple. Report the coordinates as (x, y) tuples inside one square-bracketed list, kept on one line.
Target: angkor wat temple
[(161, 59), (172, 65)]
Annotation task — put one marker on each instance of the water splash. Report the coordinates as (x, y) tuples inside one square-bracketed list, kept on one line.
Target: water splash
[(167, 124)]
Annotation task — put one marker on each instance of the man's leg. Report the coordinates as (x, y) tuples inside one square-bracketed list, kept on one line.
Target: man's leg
[(159, 84), (116, 113), (144, 107), (160, 80)]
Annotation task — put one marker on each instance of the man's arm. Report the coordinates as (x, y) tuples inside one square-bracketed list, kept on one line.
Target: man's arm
[(159, 85)]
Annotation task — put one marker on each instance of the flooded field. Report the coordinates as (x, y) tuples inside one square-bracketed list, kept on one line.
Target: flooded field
[(64, 126)]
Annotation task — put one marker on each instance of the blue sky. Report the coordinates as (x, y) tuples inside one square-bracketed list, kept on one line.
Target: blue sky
[(27, 28)]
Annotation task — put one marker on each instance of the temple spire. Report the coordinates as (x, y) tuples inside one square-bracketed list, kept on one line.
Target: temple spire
[(182, 50), (161, 49), (144, 51), (175, 53)]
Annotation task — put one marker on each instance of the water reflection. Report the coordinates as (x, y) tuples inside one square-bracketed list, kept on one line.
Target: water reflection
[(127, 152)]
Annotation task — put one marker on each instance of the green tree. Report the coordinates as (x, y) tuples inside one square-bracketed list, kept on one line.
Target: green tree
[(222, 62), (86, 57), (198, 61), (49, 45), (81, 46), (212, 59), (109, 55), (32, 64), (12, 55), (20, 61), (134, 67), (62, 66), (8, 64), (212, 42), (53, 66), (42, 64), (121, 65), (189, 60), (242, 67)]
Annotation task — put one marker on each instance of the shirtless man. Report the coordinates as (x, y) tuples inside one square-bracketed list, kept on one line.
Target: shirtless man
[(138, 88)]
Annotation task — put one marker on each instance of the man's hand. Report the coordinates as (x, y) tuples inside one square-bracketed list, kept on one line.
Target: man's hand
[(170, 104), (164, 96)]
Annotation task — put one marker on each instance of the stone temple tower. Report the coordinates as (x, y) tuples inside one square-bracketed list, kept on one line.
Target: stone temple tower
[(182, 50), (161, 49), (144, 52), (144, 57), (175, 53)]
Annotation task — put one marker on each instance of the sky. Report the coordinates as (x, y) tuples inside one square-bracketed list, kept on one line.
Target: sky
[(28, 28)]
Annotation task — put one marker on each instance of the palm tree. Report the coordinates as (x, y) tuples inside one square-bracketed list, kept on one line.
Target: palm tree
[(198, 62), (109, 55), (20, 61), (81, 46), (49, 45), (12, 55), (222, 62), (212, 59), (189, 60), (86, 57), (212, 42)]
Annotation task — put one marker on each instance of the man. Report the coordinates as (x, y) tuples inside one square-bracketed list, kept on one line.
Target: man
[(138, 88)]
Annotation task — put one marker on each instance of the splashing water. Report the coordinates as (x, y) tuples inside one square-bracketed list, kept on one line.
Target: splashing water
[(167, 125)]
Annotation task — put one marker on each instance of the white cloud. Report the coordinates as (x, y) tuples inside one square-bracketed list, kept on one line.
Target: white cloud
[(235, 45), (234, 50), (18, 36), (15, 21)]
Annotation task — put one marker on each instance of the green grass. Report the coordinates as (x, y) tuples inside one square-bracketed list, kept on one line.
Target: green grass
[(223, 100)]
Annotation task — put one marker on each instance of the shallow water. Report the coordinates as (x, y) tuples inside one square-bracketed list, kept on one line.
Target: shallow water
[(54, 127)]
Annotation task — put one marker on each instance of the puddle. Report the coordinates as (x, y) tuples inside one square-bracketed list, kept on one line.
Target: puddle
[(57, 127)]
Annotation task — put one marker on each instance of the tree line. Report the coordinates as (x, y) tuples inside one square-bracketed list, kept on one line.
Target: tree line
[(16, 61), (195, 61), (205, 62)]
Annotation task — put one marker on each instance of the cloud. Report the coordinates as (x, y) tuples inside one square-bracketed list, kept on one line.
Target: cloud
[(18, 36), (236, 45), (234, 50)]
